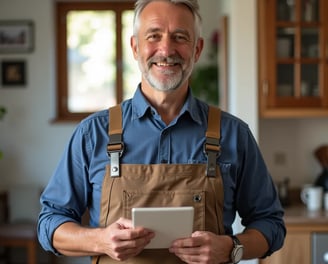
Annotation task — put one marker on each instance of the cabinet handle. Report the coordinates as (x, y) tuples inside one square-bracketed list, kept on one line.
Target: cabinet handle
[(265, 87)]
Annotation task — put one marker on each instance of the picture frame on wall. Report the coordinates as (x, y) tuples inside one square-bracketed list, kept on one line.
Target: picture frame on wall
[(16, 36), (13, 73)]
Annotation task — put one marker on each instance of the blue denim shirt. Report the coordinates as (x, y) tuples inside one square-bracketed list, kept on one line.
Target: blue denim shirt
[(76, 183)]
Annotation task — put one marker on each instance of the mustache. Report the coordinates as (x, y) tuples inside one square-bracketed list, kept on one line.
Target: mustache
[(169, 60)]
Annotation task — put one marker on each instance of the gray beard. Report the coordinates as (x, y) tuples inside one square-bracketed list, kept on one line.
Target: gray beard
[(171, 84)]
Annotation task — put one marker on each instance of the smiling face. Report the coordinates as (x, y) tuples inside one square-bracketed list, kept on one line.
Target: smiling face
[(165, 45)]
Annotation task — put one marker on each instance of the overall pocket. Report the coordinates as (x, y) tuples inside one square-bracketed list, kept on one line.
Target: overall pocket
[(174, 198)]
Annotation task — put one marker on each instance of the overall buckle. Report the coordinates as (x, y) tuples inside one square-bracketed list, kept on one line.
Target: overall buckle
[(212, 150), (114, 151)]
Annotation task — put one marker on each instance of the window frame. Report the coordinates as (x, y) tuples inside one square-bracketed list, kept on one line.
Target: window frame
[(62, 9)]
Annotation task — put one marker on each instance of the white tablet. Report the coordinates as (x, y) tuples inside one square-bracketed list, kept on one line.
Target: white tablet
[(168, 223)]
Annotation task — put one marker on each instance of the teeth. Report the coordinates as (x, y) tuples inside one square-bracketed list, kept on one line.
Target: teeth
[(162, 64)]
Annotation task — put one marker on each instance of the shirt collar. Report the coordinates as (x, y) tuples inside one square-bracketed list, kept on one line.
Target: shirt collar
[(140, 106)]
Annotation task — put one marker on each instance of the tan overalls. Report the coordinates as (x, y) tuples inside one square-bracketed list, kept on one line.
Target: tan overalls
[(140, 185)]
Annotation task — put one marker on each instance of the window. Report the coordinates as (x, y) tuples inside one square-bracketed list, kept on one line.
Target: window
[(95, 65)]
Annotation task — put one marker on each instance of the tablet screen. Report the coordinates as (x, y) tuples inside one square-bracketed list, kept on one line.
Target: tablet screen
[(168, 223)]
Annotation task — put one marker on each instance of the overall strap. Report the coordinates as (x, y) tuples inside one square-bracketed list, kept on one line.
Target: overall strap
[(115, 147), (212, 146)]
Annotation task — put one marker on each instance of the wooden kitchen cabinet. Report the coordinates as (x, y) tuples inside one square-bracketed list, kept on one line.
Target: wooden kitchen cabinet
[(296, 250), (293, 58), (298, 247)]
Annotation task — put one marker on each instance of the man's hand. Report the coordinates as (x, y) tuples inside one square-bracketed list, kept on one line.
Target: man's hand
[(121, 241), (203, 247)]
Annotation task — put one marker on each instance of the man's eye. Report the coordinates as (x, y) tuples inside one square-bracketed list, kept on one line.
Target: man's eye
[(153, 37), (181, 38)]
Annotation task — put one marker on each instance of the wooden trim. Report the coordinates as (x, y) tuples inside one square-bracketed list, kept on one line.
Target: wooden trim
[(224, 63)]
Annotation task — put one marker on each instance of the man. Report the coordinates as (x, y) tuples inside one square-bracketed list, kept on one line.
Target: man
[(163, 142)]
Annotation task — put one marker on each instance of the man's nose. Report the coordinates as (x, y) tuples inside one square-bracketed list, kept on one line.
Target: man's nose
[(167, 46)]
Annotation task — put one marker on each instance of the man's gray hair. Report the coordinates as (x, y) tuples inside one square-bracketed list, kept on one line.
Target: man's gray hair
[(191, 4)]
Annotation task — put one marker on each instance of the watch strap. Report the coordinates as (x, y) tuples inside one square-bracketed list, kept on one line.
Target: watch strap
[(235, 240), (237, 246)]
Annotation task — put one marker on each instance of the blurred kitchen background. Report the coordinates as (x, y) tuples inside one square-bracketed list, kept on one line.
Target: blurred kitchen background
[(31, 142)]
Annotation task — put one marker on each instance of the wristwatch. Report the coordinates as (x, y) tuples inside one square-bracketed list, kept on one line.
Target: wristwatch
[(237, 250)]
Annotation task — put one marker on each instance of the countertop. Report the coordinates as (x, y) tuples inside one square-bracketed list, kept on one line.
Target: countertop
[(299, 214)]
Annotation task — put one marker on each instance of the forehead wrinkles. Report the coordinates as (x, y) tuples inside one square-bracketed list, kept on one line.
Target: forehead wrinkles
[(161, 30)]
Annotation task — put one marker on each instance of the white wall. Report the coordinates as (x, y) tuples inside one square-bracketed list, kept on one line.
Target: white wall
[(242, 69), (296, 139), (31, 144)]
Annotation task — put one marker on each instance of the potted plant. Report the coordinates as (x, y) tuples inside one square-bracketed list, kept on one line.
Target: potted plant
[(2, 113), (205, 80)]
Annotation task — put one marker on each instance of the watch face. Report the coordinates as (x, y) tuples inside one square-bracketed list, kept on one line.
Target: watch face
[(237, 253)]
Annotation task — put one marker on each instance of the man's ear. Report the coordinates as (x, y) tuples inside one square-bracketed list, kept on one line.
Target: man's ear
[(134, 46), (199, 49)]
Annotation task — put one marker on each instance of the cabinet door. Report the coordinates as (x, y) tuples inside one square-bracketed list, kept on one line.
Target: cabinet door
[(293, 45), (296, 250)]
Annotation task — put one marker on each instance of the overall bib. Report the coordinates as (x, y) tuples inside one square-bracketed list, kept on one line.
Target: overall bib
[(141, 185)]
